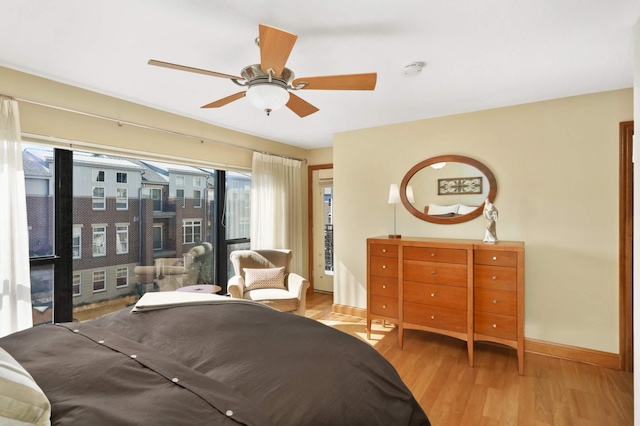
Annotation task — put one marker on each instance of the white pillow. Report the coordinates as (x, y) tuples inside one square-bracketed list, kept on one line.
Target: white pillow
[(436, 209), (22, 402), (462, 209)]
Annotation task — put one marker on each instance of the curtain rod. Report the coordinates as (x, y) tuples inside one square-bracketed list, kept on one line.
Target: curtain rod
[(145, 126)]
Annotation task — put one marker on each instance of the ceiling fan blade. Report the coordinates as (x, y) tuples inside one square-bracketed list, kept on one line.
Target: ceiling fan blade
[(300, 106), (191, 69), (224, 101), (275, 47), (339, 82)]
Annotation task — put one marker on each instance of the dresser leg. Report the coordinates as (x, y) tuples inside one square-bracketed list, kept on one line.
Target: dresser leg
[(400, 335), (368, 328), (470, 352)]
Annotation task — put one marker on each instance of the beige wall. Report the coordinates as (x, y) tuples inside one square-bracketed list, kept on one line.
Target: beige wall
[(556, 163)]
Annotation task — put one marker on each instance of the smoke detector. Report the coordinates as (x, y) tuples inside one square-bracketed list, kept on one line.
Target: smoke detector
[(413, 69)]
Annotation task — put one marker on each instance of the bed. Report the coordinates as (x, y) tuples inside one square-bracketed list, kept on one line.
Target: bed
[(193, 359)]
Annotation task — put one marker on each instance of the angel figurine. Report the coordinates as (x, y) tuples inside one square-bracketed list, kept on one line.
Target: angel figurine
[(491, 214)]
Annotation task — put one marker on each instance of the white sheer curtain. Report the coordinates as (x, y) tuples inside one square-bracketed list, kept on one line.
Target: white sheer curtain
[(276, 205), (15, 297)]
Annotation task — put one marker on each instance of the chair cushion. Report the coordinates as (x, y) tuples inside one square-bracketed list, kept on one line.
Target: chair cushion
[(264, 278), (281, 300)]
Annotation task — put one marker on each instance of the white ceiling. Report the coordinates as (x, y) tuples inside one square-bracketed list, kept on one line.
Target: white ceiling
[(479, 54)]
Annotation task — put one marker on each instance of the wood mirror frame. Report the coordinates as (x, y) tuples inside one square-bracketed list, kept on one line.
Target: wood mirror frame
[(493, 188)]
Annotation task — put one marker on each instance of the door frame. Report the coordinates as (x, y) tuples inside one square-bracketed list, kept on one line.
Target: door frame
[(310, 170), (626, 246)]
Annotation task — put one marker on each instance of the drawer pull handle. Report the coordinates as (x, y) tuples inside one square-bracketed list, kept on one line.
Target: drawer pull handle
[(384, 266), (384, 250), (433, 317), (433, 272), (433, 295), (384, 286), (433, 255), (494, 277), (385, 307), (495, 258), (495, 326), (495, 301)]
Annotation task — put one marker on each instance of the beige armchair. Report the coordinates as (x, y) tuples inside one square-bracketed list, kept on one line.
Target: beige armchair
[(291, 299)]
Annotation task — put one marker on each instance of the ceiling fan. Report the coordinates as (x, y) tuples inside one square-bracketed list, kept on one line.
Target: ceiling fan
[(270, 84)]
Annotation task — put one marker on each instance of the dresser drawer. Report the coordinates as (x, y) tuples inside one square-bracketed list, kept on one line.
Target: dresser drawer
[(385, 250), (435, 273), (495, 301), (432, 254), (435, 294), (496, 325), (495, 277), (496, 258), (385, 306), (384, 286), (384, 266), (437, 317)]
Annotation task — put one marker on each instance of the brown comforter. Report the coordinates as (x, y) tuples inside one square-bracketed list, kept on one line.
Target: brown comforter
[(226, 363)]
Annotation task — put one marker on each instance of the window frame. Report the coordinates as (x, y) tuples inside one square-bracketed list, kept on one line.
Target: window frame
[(122, 228), (122, 200), (104, 280), (79, 284), (120, 176), (73, 243), (180, 198), (126, 277), (161, 227), (94, 198), (104, 239), (197, 200), (191, 224), (97, 175)]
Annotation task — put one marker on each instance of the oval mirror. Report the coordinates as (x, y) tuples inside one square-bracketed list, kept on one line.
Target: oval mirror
[(448, 189)]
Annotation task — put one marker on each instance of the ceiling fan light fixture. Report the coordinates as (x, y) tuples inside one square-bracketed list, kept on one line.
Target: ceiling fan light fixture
[(267, 97)]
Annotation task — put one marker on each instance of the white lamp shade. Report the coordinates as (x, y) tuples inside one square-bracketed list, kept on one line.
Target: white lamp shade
[(438, 166), (394, 194), (410, 194), (267, 96)]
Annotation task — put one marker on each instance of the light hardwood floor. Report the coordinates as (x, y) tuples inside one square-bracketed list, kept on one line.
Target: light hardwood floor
[(551, 392)]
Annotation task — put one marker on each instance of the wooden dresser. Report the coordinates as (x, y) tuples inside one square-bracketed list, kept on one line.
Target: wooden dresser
[(461, 288)]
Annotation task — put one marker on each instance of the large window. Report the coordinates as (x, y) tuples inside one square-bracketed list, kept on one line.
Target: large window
[(131, 225), (99, 281), (157, 237), (121, 177), (98, 175), (122, 277), (122, 239), (77, 242), (154, 194), (180, 196), (122, 200), (191, 231), (77, 285), (99, 241), (197, 198), (99, 200)]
